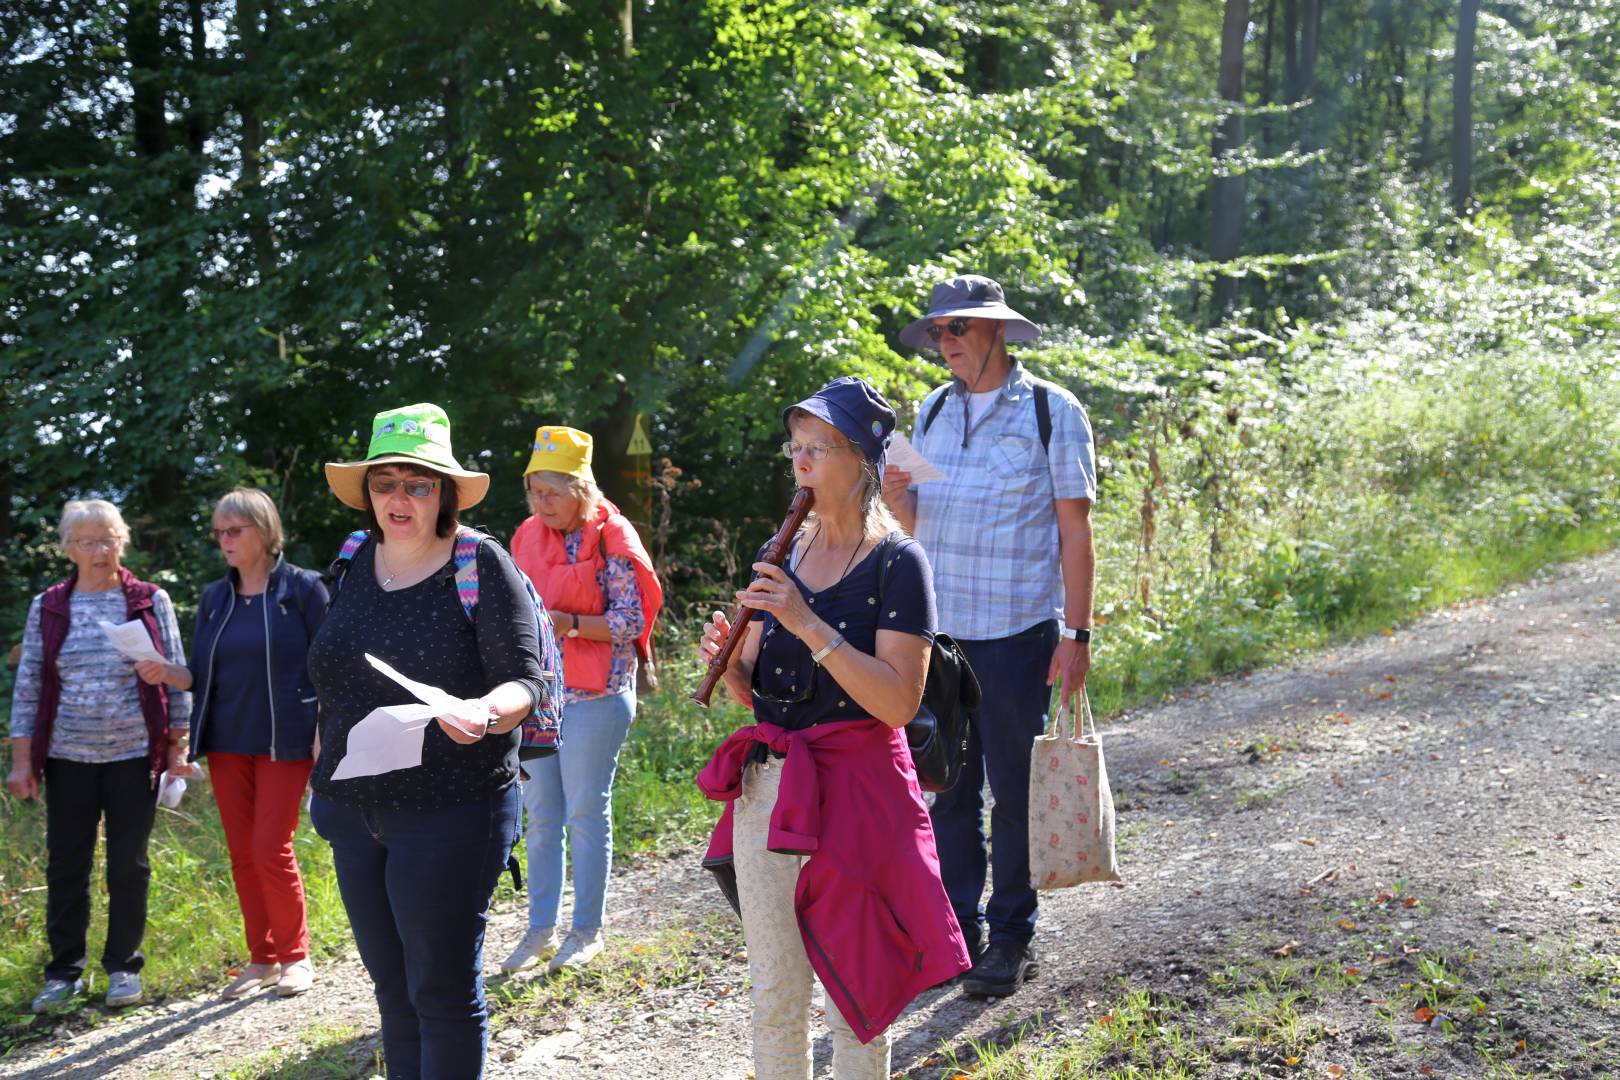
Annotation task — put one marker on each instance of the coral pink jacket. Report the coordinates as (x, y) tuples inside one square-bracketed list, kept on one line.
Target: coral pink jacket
[(571, 587)]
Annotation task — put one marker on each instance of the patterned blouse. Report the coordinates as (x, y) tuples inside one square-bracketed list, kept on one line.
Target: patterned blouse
[(625, 619), (98, 718)]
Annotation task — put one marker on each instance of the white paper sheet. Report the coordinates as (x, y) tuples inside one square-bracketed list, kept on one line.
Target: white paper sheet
[(385, 740), (391, 737), (131, 640), (902, 455), (446, 705)]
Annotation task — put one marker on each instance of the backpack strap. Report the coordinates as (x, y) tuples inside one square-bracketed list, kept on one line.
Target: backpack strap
[(1043, 412), (340, 565), (933, 410), (465, 557)]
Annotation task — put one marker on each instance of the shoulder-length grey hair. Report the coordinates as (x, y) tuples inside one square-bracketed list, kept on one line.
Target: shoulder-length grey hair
[(253, 505)]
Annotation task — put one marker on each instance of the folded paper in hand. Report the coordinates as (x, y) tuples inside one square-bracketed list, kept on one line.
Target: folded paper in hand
[(391, 737), (902, 455), (131, 640)]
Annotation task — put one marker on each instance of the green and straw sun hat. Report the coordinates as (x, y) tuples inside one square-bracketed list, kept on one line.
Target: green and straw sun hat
[(411, 435)]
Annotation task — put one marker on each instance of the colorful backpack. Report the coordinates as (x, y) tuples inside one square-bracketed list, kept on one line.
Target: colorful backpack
[(542, 728)]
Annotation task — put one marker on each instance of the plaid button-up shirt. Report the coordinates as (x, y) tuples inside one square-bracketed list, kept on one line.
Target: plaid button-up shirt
[(990, 527)]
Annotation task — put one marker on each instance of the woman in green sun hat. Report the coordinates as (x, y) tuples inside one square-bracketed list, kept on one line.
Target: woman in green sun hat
[(418, 849)]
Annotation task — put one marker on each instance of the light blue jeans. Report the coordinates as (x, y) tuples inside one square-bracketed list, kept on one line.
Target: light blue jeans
[(574, 787)]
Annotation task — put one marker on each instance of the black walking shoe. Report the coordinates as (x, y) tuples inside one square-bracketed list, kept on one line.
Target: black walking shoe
[(1004, 965)]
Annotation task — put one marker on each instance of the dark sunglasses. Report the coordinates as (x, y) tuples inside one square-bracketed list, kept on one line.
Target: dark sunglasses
[(416, 489), (783, 703), (956, 328)]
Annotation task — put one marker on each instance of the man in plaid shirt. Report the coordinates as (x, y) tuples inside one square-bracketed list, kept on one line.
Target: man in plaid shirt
[(1008, 533)]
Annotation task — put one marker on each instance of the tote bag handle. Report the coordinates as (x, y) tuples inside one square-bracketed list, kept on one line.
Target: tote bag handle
[(1077, 724)]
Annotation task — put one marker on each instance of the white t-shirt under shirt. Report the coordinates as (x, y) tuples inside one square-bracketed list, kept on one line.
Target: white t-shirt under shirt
[(979, 404)]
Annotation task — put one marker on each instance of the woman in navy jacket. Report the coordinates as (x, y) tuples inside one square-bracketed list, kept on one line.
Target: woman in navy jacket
[(255, 721)]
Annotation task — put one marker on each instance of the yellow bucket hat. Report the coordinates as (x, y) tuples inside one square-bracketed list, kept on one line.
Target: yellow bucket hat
[(563, 450)]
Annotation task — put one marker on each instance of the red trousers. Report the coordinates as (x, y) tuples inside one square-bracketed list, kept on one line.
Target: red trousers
[(258, 805)]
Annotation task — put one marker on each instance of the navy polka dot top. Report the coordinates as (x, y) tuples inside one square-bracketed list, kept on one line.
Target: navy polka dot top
[(425, 635)]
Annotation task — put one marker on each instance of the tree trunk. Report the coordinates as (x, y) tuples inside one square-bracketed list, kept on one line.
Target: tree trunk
[(1462, 109), (252, 34), (1290, 48), (1310, 37), (1263, 211), (1426, 122), (1226, 192)]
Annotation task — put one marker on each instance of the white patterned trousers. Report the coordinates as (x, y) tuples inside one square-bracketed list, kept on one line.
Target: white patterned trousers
[(777, 964)]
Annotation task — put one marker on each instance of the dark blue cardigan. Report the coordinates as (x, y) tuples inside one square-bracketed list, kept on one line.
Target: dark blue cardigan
[(295, 604)]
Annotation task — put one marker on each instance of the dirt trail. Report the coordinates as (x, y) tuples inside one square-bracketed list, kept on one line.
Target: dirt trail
[(1467, 762)]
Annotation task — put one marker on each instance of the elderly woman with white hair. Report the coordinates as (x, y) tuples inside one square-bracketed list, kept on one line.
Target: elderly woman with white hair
[(255, 722), (98, 738)]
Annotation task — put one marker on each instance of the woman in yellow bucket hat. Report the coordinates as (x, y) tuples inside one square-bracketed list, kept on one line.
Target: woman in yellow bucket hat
[(598, 583)]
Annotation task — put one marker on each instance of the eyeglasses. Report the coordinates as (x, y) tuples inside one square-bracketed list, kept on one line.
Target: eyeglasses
[(97, 545), (414, 487), (816, 451), (232, 531), (956, 328)]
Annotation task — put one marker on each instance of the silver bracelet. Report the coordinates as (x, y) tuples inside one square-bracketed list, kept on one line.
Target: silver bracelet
[(822, 653)]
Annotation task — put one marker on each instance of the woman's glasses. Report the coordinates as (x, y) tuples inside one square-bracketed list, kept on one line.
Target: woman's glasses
[(415, 488), (232, 531), (96, 545), (956, 328), (815, 451)]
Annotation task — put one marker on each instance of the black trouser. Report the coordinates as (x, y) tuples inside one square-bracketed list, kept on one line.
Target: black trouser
[(77, 797)]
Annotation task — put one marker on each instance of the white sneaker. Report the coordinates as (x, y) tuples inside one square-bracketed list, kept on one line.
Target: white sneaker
[(57, 994), (296, 978), (254, 977), (123, 988), (580, 949), (537, 946)]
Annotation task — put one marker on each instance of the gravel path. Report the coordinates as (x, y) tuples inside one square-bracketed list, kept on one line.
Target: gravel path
[(1467, 762)]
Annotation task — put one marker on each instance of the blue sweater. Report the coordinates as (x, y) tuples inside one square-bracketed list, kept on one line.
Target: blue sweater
[(292, 608)]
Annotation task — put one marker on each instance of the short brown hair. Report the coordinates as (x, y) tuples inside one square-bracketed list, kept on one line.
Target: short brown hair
[(449, 499)]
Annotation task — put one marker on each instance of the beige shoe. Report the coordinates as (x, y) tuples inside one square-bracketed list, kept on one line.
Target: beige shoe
[(254, 977), (539, 944), (580, 949), (296, 978)]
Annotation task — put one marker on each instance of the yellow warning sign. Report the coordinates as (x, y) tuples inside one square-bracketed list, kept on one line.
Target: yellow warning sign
[(638, 441)]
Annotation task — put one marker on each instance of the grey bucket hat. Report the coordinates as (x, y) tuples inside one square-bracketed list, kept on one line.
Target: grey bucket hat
[(968, 296)]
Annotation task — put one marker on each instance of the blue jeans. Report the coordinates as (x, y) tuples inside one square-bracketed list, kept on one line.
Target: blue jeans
[(574, 787), (416, 885), (1001, 734)]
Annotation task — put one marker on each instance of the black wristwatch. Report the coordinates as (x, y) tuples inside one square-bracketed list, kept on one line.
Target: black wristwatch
[(1081, 634), (573, 631)]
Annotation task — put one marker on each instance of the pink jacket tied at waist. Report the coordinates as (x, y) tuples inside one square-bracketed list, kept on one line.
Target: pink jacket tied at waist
[(875, 920)]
